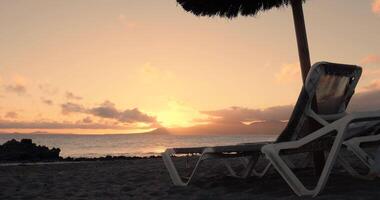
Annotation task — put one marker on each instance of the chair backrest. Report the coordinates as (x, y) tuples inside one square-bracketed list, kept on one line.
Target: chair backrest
[(324, 97)]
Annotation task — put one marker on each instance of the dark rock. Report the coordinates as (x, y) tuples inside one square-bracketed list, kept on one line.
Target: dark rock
[(26, 150)]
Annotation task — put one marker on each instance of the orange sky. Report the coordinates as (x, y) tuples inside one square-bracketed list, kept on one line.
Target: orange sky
[(122, 66)]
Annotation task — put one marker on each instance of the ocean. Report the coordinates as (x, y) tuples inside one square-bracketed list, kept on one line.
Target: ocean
[(74, 145)]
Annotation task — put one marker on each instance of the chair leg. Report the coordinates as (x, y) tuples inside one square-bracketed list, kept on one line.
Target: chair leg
[(232, 172), (364, 157), (248, 167), (281, 167), (347, 166), (361, 154), (263, 172), (272, 153), (172, 169)]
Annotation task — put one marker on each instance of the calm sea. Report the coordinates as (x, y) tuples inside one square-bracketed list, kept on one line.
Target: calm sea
[(128, 145)]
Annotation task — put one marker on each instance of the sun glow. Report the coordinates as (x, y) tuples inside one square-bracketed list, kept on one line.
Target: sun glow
[(179, 115)]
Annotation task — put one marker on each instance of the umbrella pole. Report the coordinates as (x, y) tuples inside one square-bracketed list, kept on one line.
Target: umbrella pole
[(304, 57), (300, 28)]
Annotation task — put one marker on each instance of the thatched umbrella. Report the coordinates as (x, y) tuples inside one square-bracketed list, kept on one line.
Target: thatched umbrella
[(234, 8)]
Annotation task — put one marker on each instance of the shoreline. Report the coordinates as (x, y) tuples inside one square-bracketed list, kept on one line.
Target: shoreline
[(77, 160)]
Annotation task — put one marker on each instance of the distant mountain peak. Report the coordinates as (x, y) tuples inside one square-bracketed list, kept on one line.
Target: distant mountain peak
[(160, 131)]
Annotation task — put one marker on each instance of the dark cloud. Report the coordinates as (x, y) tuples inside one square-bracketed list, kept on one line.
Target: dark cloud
[(240, 114), (268, 121), (366, 101), (68, 108), (109, 111), (5, 124), (72, 96), (11, 115), (105, 110), (16, 88), (135, 115), (47, 101), (363, 101), (87, 120)]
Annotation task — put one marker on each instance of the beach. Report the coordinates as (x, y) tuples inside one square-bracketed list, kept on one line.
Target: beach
[(95, 93), (148, 179)]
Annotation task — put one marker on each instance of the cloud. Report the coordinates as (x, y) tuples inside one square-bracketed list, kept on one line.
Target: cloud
[(72, 96), (87, 120), (17, 88), (240, 120), (367, 100), (6, 124), (47, 101), (108, 110), (376, 6), (68, 108), (371, 59), (289, 72), (17, 84), (240, 114), (125, 119), (270, 120), (374, 85), (11, 115)]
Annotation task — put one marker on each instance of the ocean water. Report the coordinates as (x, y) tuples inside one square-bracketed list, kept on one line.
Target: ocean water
[(128, 144)]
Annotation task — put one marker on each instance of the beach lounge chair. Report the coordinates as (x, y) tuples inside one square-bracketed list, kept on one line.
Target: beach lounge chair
[(332, 85), (366, 147)]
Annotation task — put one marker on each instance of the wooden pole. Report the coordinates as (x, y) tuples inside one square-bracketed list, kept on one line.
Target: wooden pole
[(304, 57), (300, 28)]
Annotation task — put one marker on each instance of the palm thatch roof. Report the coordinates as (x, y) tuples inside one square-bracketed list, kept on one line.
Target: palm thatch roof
[(230, 8)]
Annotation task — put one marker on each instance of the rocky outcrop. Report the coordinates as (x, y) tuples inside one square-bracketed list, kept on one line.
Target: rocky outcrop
[(26, 150)]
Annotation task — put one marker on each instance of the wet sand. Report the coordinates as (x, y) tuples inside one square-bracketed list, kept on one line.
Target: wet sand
[(148, 179)]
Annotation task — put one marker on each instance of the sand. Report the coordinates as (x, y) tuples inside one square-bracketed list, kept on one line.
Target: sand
[(148, 179)]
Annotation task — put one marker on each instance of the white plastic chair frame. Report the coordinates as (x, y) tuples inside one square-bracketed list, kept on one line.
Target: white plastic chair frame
[(272, 152), (353, 145), (209, 153)]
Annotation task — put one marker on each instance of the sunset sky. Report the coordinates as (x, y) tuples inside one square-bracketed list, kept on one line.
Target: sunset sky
[(125, 66)]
